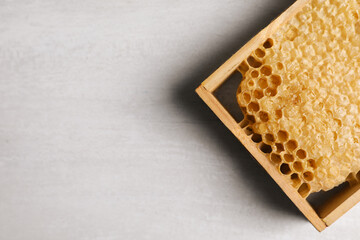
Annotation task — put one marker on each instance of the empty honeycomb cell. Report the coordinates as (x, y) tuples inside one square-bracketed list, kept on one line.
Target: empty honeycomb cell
[(268, 43), (254, 74), (308, 176), (244, 123), (291, 145), (295, 179), (259, 53), (250, 118), (264, 116), (254, 107), (298, 166), (251, 83), (283, 136), (248, 131), (265, 148), (256, 138), (288, 157), (285, 169), (275, 158), (304, 189), (258, 94), (263, 83), (270, 92), (269, 137), (301, 154), (275, 80), (246, 97), (266, 70), (253, 62), (305, 77), (279, 147), (243, 68), (278, 113), (312, 163)]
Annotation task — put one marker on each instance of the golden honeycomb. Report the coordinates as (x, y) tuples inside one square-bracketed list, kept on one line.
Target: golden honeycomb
[(300, 96)]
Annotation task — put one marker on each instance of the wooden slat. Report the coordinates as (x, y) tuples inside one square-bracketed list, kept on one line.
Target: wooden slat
[(340, 204)]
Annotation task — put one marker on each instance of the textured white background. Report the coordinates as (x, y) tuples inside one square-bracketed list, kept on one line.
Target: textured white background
[(102, 136)]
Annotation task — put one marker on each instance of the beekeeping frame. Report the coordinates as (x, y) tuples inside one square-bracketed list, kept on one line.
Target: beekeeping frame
[(330, 210)]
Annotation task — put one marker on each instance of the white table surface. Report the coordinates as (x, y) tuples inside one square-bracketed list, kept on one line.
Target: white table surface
[(102, 135)]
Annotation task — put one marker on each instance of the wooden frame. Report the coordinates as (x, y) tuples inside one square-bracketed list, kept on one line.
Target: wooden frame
[(334, 207)]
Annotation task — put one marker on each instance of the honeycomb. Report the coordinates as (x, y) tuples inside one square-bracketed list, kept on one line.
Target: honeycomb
[(300, 96)]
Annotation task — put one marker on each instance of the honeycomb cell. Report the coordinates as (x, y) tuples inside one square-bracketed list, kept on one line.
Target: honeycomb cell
[(244, 123), (275, 158), (285, 169), (291, 145), (279, 147), (250, 118), (254, 74), (263, 83), (270, 92), (251, 83), (312, 163), (278, 113), (246, 97), (243, 68), (288, 157), (298, 166), (308, 176), (292, 33), (264, 116), (258, 94), (253, 62), (275, 80), (265, 148), (254, 107), (256, 138), (268, 43), (248, 131), (266, 70), (283, 136), (295, 179), (355, 15), (304, 189), (259, 53), (301, 154), (269, 137)]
